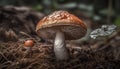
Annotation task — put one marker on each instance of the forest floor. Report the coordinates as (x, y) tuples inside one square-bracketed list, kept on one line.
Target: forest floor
[(83, 56), (100, 53)]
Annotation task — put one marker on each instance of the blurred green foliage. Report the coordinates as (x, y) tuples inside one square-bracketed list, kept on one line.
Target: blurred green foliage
[(95, 9), (37, 7), (117, 21)]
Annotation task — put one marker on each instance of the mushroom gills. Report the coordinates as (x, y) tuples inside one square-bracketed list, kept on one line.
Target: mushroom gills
[(60, 49)]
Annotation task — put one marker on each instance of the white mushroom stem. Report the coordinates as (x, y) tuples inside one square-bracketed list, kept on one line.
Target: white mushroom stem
[(28, 49), (60, 50)]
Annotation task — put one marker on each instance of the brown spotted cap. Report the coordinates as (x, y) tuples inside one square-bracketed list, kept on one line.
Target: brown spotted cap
[(69, 24)]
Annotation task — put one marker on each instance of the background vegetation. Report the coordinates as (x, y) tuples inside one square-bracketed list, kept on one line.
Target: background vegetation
[(107, 11)]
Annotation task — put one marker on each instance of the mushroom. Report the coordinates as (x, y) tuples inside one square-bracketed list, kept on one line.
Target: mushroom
[(28, 45), (61, 26)]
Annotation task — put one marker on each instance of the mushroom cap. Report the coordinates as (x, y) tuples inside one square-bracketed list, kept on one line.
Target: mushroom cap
[(69, 24), (29, 43)]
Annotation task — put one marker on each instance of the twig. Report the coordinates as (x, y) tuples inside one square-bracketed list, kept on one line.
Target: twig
[(25, 34), (4, 56)]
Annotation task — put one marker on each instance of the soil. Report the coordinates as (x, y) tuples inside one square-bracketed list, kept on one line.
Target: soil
[(13, 56)]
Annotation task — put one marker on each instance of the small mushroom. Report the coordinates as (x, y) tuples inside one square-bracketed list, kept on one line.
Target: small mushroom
[(61, 26), (28, 45)]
